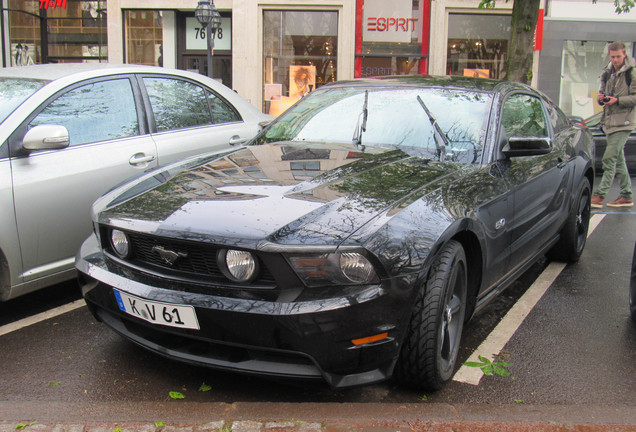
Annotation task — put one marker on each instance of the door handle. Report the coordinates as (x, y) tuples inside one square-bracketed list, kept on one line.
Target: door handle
[(561, 163), (140, 158), (237, 140)]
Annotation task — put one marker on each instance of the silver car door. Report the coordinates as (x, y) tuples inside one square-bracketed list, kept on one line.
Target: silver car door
[(8, 233), (54, 189), (190, 119)]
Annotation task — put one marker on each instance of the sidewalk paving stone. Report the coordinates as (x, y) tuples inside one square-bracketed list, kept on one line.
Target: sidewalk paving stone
[(328, 426)]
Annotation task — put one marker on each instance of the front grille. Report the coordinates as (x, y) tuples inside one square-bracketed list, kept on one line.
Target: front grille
[(197, 260)]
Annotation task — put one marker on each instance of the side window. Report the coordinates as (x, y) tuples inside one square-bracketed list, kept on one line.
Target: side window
[(94, 112), (523, 116), (558, 118), (177, 104), (221, 111)]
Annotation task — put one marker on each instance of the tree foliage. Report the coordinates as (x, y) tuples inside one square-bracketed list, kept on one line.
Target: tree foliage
[(622, 6)]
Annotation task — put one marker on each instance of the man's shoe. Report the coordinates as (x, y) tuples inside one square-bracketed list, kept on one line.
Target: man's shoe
[(622, 202), (597, 201)]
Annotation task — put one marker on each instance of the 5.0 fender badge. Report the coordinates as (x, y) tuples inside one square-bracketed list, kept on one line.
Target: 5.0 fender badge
[(500, 224), (168, 256)]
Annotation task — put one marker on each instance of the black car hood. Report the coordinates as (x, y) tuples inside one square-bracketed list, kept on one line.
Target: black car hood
[(284, 193)]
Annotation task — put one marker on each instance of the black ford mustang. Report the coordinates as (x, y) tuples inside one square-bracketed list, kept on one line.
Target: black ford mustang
[(352, 239)]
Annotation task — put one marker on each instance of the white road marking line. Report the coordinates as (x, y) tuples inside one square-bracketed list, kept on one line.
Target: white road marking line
[(507, 327), (594, 221), (41, 317)]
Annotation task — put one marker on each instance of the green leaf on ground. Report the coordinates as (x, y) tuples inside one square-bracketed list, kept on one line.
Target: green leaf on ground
[(204, 387), (176, 395), (489, 367)]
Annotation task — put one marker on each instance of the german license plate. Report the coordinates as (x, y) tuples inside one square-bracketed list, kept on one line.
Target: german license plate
[(166, 314)]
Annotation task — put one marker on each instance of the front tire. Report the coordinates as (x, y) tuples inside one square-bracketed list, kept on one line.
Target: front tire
[(574, 232), (429, 351)]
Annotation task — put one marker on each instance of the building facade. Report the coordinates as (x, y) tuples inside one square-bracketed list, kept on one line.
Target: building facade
[(575, 39), (51, 31), (269, 51), (274, 51)]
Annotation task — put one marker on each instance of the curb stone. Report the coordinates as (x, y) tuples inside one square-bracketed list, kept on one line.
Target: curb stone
[(235, 426), (329, 426)]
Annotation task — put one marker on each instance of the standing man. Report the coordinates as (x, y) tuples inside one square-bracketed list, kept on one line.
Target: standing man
[(617, 95)]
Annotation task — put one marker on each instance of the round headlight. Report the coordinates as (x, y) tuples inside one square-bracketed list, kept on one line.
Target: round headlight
[(240, 265), (357, 268), (120, 243)]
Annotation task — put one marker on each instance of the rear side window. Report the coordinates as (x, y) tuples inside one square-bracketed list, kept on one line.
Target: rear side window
[(94, 112), (221, 111), (558, 118), (179, 104)]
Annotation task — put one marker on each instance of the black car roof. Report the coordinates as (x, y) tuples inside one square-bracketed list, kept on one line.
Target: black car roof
[(458, 82)]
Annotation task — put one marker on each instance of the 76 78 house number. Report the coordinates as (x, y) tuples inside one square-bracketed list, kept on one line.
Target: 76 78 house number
[(201, 33)]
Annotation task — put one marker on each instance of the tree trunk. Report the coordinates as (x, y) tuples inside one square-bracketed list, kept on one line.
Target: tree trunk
[(524, 22)]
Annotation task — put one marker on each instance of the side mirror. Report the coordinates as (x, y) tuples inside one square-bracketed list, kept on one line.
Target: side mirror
[(262, 125), (527, 146), (46, 137), (577, 120)]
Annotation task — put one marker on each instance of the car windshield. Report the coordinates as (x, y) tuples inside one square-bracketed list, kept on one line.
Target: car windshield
[(14, 91), (443, 123)]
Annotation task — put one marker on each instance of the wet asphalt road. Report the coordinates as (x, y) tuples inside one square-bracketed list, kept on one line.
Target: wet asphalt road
[(576, 348)]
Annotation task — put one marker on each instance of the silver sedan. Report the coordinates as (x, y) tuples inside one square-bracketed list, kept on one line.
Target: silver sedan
[(70, 132)]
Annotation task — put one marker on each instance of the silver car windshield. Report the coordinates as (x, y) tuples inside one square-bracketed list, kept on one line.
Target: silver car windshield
[(391, 118), (14, 91)]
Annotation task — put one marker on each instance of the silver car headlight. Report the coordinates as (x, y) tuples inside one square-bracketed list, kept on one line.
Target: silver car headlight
[(348, 268), (120, 243), (237, 265), (356, 268)]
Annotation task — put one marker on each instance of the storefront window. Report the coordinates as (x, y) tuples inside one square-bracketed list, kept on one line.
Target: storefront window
[(299, 55), (144, 37), (24, 33), (478, 45), (391, 38), (582, 63), (75, 33), (192, 43)]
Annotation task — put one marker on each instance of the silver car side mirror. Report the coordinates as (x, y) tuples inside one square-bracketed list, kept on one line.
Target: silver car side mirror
[(46, 137)]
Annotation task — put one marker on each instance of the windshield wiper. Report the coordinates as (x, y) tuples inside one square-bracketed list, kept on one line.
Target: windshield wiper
[(357, 134), (441, 139)]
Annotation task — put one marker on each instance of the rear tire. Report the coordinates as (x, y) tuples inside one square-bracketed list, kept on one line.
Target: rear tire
[(429, 351), (574, 232)]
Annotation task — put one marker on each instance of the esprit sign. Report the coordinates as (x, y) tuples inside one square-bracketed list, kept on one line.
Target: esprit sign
[(391, 24), (388, 20)]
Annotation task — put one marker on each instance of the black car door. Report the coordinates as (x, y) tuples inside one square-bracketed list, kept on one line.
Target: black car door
[(539, 183), (486, 192)]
